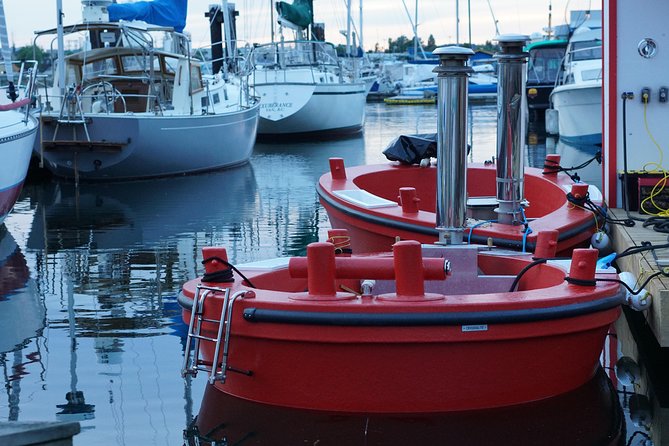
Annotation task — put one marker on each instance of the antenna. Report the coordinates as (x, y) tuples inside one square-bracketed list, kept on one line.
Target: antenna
[(493, 18)]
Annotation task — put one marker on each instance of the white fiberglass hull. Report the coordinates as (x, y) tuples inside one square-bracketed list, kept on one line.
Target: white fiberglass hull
[(320, 108), (17, 136), (579, 108), (143, 145)]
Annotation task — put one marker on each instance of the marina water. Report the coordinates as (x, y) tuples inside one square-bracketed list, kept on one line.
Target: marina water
[(99, 338)]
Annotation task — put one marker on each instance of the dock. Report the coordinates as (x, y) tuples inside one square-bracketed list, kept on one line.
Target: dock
[(44, 433), (644, 264)]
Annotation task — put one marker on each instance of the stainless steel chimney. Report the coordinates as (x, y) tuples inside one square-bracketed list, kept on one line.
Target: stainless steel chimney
[(452, 80), (511, 127)]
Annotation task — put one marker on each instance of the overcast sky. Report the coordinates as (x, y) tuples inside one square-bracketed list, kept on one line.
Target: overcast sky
[(381, 18)]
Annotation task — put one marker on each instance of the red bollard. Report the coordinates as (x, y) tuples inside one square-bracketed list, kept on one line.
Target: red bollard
[(579, 190), (210, 256), (321, 269), (583, 264), (547, 242), (337, 169), (408, 262), (551, 164), (408, 200)]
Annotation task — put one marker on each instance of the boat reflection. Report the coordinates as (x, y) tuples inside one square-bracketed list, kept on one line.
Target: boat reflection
[(22, 321), (588, 415), (140, 213)]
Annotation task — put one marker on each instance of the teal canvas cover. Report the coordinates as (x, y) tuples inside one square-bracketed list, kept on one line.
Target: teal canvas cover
[(300, 13)]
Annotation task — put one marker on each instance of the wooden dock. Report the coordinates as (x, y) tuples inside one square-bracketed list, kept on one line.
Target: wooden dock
[(42, 433), (644, 264)]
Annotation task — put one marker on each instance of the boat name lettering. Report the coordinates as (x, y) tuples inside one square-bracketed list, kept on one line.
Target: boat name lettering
[(277, 106), (481, 327)]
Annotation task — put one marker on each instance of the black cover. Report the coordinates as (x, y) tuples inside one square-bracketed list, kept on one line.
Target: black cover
[(410, 149)]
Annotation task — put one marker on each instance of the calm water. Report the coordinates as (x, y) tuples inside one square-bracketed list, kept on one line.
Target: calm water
[(88, 285)]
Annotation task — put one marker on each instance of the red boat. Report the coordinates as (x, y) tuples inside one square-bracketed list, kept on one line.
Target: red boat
[(379, 203), (426, 328), (501, 203)]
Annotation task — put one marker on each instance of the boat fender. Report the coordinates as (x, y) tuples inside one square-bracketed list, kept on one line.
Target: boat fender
[(601, 241), (640, 301)]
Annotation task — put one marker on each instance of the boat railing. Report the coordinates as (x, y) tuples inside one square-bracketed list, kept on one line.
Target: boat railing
[(237, 63), (298, 53)]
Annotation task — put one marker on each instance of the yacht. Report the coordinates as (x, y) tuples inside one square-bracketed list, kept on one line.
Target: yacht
[(577, 97)]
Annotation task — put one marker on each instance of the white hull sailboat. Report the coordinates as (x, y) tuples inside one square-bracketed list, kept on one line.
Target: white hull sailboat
[(17, 127), (302, 85), (125, 109)]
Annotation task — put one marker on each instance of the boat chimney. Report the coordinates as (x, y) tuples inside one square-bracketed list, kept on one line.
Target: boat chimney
[(452, 81), (511, 130)]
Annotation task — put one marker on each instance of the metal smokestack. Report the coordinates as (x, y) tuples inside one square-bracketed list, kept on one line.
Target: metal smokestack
[(452, 80), (511, 131)]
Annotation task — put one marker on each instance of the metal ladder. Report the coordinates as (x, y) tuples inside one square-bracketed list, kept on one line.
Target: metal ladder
[(71, 113), (192, 364)]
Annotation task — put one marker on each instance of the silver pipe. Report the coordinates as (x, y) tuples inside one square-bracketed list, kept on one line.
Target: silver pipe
[(452, 80), (511, 130)]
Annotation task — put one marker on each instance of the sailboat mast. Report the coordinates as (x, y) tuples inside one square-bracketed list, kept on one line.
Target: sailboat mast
[(348, 28), (61, 49), (360, 30), (415, 33), (271, 20), (228, 38), (457, 22), (4, 41)]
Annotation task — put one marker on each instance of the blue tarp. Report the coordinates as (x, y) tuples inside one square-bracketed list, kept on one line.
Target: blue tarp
[(157, 12)]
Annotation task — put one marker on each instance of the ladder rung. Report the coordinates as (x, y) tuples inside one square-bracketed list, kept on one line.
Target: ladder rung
[(205, 338)]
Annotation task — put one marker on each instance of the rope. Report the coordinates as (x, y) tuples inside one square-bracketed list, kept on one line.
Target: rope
[(552, 167), (342, 244), (224, 275), (523, 271)]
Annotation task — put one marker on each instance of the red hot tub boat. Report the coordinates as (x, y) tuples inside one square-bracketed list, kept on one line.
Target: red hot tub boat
[(379, 203), (426, 328)]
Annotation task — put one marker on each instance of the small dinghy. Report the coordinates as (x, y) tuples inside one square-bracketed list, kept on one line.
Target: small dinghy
[(426, 328)]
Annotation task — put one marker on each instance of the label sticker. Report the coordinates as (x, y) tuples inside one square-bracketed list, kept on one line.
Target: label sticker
[(482, 327)]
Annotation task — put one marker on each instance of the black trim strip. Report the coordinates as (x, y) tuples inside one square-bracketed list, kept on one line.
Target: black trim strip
[(426, 319), (480, 239), (325, 93)]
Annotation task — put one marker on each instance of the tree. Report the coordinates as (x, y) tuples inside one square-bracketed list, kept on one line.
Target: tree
[(431, 44), (30, 52)]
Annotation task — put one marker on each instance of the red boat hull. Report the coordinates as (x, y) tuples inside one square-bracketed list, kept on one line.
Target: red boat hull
[(446, 350), (376, 229)]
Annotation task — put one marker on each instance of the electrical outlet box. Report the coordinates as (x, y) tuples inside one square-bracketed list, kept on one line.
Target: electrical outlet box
[(645, 95), (663, 94)]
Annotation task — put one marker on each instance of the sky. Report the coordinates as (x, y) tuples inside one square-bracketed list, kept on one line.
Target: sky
[(382, 19)]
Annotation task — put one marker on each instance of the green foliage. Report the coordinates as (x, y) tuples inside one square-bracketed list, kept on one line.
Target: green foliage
[(30, 52)]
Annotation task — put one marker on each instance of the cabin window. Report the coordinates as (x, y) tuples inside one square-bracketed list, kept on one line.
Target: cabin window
[(591, 49), (544, 64), (138, 62), (171, 64), (99, 68), (195, 78)]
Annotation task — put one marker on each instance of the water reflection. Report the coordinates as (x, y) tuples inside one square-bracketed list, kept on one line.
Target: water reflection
[(589, 415), (22, 324)]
